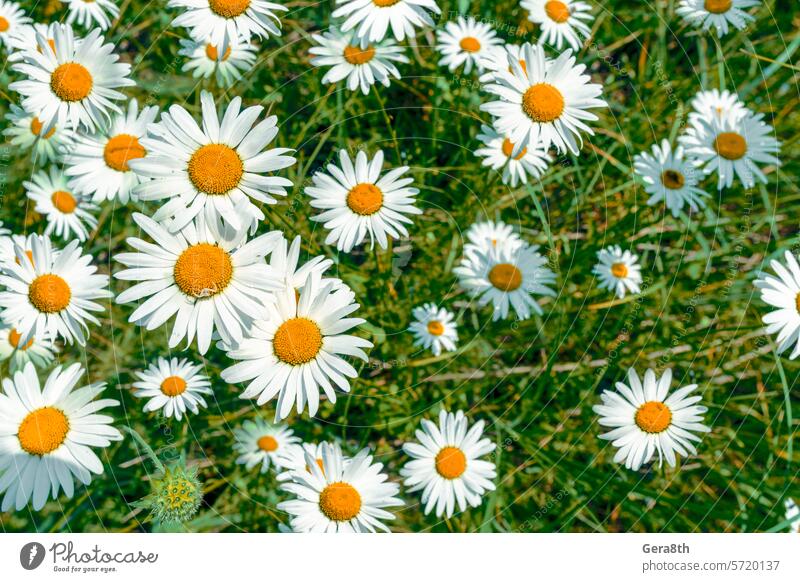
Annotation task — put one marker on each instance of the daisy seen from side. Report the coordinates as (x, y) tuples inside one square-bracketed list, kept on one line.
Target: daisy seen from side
[(782, 291), (716, 103), (490, 233), (173, 386)]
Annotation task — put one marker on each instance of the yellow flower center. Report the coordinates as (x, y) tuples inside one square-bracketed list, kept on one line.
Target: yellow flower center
[(718, 6), (730, 145), (672, 179), (470, 44), (213, 54), (71, 82), (43, 431), (173, 386), (543, 103), (36, 129), (297, 341), (3, 24), (557, 11), (365, 199), (619, 270), (120, 149), (505, 276), (653, 417), (384, 3), (228, 8), (340, 501), (451, 462), (215, 169), (49, 293), (13, 338), (357, 56), (203, 270), (508, 149), (268, 443), (435, 328), (797, 302), (64, 201)]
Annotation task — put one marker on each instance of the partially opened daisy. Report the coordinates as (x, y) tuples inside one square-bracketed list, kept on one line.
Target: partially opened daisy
[(434, 328), (645, 419), (88, 12), (71, 84), (69, 214), (361, 66), (466, 42), (48, 433), (98, 164), (340, 497), (208, 277), (371, 19), (12, 19), (53, 292), (217, 21), (298, 349), (670, 178), (562, 21), (176, 387), (219, 170), (506, 276), (259, 443), (782, 291), (40, 351), (26, 132), (358, 202), (716, 103), (543, 104), (490, 233), (717, 14), (618, 271), (285, 263), (446, 464), (226, 66), (733, 147), (497, 154)]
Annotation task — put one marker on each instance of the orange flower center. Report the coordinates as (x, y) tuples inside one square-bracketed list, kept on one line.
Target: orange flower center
[(213, 54), (730, 145), (228, 8), (13, 338), (71, 82), (215, 169), (340, 501), (470, 44), (173, 386), (543, 103), (297, 341), (672, 179), (435, 328), (3, 24), (508, 149), (365, 199), (451, 462), (43, 431), (797, 302), (505, 276), (619, 270), (384, 3), (653, 417), (36, 129), (268, 443), (557, 11), (120, 149), (357, 56), (49, 293), (64, 201), (718, 6), (203, 270)]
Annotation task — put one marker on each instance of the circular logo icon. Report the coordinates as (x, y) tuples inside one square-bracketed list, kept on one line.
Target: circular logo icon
[(31, 555)]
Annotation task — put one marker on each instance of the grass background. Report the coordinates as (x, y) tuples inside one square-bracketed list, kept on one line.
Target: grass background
[(534, 382)]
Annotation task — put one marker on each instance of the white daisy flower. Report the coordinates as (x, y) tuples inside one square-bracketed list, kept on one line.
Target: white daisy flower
[(25, 38), (88, 12), (174, 386), (498, 153), (341, 496), (719, 14), (40, 351), (357, 201), (783, 293), (208, 277), (506, 275), (261, 443), (217, 171), (497, 58), (218, 21), (562, 21), (645, 420), (293, 458), (226, 66), (297, 349), (543, 103), (68, 214), (72, 84), (618, 271), (466, 42), (284, 262), (490, 233), (47, 434), (12, 19), (670, 178), (8, 244), (733, 147), (793, 513), (362, 66), (446, 464), (434, 328), (716, 103), (372, 18), (52, 292), (99, 163), (26, 132)]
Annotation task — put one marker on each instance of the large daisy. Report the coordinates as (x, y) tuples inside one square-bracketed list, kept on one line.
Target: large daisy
[(226, 66), (47, 435), (217, 21), (26, 132), (12, 19), (434, 328), (40, 351), (174, 386), (217, 171), (717, 14), (371, 19), (259, 443), (783, 293), (497, 154), (670, 178), (618, 271), (69, 214), (88, 12), (466, 42), (562, 21)]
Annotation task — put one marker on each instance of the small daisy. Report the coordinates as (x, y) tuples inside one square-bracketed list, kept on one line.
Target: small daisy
[(434, 328), (98, 163), (40, 351), (52, 292), (783, 293), (562, 21), (446, 464), (293, 458), (717, 13), (68, 214), (361, 66), (498, 153), (644, 420), (793, 513), (284, 262), (297, 350), (174, 386), (618, 271), (357, 201), (88, 12), (261, 443), (340, 497), (12, 19), (26, 132), (227, 66), (217, 170), (506, 275), (46, 435), (372, 18), (25, 38), (670, 178), (490, 233), (543, 103), (733, 147), (715, 103), (218, 21), (206, 276), (8, 244), (70, 84), (466, 42)]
